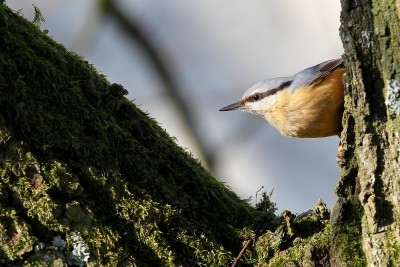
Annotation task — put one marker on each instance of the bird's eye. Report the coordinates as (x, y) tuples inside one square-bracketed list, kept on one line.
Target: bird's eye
[(256, 97)]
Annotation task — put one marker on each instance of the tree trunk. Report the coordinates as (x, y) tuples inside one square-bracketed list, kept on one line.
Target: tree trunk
[(365, 220)]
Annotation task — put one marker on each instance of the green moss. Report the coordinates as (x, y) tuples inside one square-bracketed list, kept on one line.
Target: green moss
[(346, 233), (312, 251), (15, 239), (61, 180), (45, 258), (302, 240), (394, 251)]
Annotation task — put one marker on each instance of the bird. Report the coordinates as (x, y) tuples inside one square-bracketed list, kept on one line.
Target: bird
[(308, 104)]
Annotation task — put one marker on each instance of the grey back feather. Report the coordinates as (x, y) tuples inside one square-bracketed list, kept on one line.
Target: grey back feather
[(303, 78), (314, 74)]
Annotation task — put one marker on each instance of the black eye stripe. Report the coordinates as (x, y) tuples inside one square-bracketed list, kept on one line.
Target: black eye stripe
[(284, 85), (258, 96), (270, 92)]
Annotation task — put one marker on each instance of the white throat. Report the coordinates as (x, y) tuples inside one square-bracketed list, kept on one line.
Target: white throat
[(259, 107)]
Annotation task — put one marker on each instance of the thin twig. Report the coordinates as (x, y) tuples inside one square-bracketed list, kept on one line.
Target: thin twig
[(248, 243)]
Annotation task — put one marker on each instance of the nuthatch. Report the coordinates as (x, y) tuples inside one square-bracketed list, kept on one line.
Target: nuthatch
[(307, 104)]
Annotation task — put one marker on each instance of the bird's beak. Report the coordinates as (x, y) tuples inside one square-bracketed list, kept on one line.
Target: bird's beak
[(237, 105)]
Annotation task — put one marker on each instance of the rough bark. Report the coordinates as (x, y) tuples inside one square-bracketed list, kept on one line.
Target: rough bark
[(365, 221)]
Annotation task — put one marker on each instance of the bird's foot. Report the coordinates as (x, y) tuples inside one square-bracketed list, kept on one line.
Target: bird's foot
[(341, 151)]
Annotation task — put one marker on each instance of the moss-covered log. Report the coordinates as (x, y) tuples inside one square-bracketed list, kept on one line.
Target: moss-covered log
[(88, 178), (367, 215)]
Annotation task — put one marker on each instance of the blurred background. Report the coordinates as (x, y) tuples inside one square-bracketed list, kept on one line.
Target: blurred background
[(183, 60)]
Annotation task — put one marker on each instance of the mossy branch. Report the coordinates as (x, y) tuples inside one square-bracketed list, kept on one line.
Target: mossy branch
[(87, 178), (82, 162)]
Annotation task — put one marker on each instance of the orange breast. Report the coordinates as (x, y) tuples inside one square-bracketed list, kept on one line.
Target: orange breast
[(312, 111)]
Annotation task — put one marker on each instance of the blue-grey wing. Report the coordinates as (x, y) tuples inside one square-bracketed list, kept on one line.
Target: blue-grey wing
[(316, 73)]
